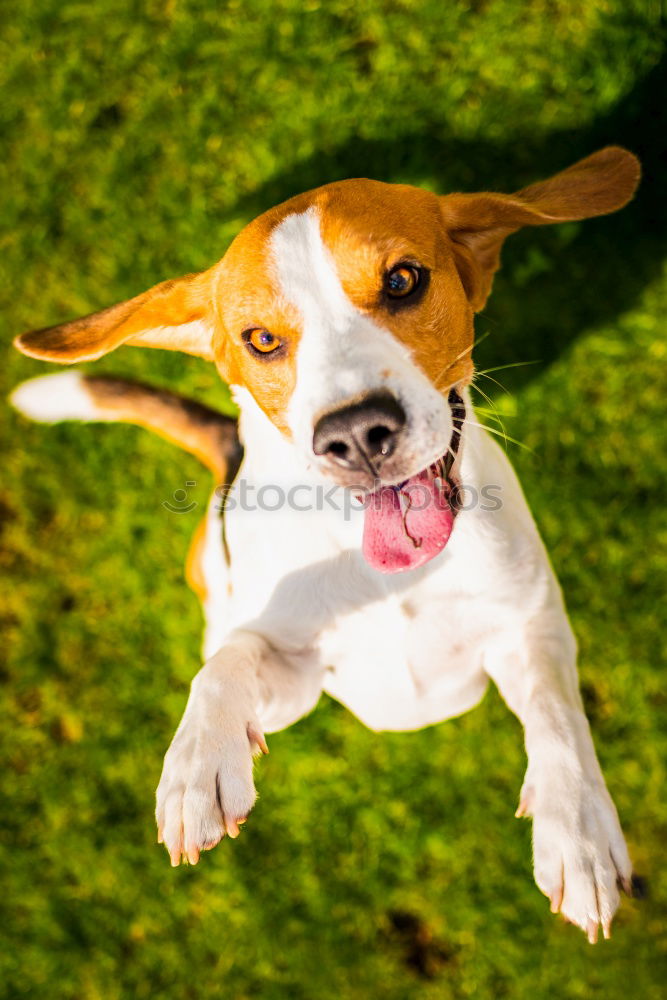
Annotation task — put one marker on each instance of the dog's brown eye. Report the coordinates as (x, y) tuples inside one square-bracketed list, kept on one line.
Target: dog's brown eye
[(261, 340), (401, 281)]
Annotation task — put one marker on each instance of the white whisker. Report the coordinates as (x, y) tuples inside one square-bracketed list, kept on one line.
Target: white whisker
[(493, 407), (512, 364), (494, 380), (450, 364), (493, 430)]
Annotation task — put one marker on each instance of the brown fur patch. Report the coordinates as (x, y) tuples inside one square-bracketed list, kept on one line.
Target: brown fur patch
[(370, 228), (203, 432), (194, 572), (247, 295)]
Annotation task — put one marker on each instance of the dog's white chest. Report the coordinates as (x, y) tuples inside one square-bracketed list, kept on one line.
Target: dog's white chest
[(401, 651), (402, 663)]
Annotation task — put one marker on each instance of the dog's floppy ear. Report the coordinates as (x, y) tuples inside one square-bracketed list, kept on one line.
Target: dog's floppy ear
[(478, 223), (173, 315)]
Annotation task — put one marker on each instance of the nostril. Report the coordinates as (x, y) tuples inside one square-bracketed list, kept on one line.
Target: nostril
[(378, 439), (338, 448)]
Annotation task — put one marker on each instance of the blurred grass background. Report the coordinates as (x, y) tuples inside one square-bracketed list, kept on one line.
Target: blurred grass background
[(137, 139)]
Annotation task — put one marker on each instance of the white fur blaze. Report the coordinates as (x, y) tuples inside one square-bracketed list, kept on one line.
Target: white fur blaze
[(343, 352)]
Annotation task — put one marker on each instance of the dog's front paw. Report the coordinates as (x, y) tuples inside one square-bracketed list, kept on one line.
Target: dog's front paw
[(580, 856), (206, 788)]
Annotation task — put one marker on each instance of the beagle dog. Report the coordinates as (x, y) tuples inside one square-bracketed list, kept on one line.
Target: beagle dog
[(343, 321)]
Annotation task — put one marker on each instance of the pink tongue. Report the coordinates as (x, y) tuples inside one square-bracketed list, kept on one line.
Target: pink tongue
[(404, 528)]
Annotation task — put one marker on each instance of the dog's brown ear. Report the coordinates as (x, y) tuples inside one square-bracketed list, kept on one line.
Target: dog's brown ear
[(173, 315), (479, 223)]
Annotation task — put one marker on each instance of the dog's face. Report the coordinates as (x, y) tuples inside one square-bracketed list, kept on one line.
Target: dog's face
[(347, 312), (343, 313)]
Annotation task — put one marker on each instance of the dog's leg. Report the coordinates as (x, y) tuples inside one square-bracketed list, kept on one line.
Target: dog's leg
[(580, 856), (206, 788)]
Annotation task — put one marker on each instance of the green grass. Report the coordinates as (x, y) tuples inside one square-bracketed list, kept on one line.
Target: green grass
[(138, 139)]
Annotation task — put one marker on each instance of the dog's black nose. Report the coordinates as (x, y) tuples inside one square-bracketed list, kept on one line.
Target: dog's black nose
[(360, 435)]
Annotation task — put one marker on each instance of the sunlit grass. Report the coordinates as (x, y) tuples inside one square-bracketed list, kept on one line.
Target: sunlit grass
[(138, 140)]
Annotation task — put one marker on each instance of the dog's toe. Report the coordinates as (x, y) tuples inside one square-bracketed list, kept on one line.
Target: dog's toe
[(206, 790), (580, 860)]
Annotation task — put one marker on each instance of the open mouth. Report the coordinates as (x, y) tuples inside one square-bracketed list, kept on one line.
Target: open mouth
[(408, 524)]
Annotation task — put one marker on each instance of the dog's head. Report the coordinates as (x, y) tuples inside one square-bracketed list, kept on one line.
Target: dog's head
[(347, 312)]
